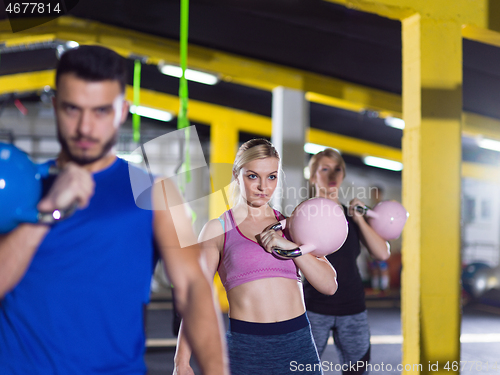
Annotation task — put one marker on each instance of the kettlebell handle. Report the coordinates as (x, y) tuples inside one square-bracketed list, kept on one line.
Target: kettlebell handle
[(280, 225), (361, 209), (55, 216), (287, 254), (365, 211), (282, 253)]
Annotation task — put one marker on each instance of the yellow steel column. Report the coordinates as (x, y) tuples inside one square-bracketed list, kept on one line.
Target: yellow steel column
[(431, 191), (410, 282), (441, 155), (223, 146)]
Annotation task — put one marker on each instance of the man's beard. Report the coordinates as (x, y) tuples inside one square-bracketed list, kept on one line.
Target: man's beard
[(84, 160)]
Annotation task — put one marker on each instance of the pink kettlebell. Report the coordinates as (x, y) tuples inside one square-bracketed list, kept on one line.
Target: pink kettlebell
[(318, 225), (387, 218)]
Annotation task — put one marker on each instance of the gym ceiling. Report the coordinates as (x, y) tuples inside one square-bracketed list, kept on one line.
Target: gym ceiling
[(348, 62)]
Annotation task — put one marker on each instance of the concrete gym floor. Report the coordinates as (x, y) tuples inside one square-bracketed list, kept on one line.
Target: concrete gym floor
[(480, 339)]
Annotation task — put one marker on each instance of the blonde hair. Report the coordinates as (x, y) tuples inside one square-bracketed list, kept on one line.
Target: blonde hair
[(314, 163), (258, 148)]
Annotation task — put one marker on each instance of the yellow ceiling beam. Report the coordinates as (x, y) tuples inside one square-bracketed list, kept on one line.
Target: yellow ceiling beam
[(391, 11), (19, 40), (353, 146), (25, 82), (474, 125), (483, 172), (247, 122), (481, 35), (205, 112), (349, 105), (229, 67), (334, 102), (465, 11)]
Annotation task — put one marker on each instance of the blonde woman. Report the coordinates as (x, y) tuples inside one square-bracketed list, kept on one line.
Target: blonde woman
[(269, 331), (344, 314)]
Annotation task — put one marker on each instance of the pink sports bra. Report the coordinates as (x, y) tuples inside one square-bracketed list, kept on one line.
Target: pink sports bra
[(244, 260)]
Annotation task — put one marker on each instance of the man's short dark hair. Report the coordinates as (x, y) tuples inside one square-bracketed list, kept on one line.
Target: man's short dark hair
[(93, 63)]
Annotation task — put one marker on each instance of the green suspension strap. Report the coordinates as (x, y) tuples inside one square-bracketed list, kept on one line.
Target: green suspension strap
[(182, 119), (136, 119)]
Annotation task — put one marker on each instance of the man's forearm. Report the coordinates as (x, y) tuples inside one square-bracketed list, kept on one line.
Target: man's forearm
[(203, 328), (17, 249)]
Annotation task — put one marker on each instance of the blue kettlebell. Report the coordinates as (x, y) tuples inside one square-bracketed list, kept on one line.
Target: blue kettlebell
[(21, 189)]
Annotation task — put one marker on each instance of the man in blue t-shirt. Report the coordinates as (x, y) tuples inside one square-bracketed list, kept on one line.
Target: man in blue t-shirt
[(73, 295)]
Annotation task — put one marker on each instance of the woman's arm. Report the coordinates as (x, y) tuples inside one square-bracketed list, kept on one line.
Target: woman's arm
[(211, 240), (378, 248), (318, 271)]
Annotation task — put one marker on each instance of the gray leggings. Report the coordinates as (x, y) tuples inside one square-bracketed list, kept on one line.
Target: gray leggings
[(351, 335)]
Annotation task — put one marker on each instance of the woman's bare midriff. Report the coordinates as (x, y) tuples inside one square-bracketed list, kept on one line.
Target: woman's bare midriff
[(267, 300)]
